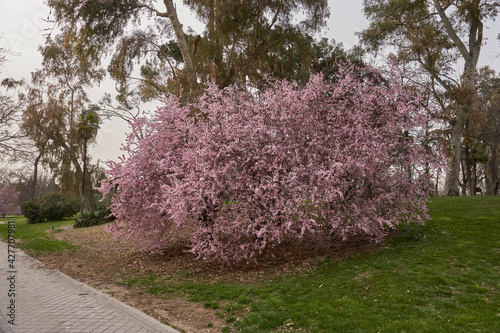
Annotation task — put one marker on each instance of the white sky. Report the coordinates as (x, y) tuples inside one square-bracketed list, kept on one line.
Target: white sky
[(22, 24)]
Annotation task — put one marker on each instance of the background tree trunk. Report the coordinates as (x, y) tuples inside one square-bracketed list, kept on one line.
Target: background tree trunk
[(468, 182), (35, 176), (187, 54), (453, 176), (491, 172)]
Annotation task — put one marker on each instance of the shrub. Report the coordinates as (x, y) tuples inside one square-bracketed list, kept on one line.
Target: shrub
[(56, 206), (31, 210), (100, 216), (51, 207), (242, 171)]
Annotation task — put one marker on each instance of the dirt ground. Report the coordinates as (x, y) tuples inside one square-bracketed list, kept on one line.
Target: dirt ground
[(103, 262)]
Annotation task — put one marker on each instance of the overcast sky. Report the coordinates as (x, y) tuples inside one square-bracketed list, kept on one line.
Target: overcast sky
[(22, 24)]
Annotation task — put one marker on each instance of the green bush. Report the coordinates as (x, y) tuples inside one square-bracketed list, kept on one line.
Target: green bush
[(51, 207), (97, 217), (31, 210), (56, 206)]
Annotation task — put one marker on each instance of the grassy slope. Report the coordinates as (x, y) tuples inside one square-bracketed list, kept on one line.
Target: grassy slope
[(448, 281), (443, 277), (34, 237)]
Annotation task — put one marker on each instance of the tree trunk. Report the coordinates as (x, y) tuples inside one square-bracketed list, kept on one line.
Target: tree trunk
[(35, 176), (470, 54), (223, 76), (491, 172), (452, 177), (79, 172), (464, 101), (463, 185), (90, 196), (86, 194), (474, 176), (187, 54), (82, 195), (468, 171), (436, 189)]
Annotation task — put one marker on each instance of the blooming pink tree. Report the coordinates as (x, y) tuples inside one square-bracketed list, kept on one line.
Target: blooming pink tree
[(240, 172), (9, 200)]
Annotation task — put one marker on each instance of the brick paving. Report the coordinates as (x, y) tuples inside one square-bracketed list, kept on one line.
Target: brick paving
[(48, 301)]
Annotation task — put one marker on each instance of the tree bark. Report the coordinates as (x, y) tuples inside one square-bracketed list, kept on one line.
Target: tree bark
[(463, 185), (468, 171), (436, 188), (35, 176), (470, 55), (186, 52), (491, 172), (82, 197), (453, 175), (474, 175)]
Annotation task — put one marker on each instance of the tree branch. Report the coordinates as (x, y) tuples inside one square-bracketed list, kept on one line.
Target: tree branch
[(449, 29), (435, 76), (154, 10)]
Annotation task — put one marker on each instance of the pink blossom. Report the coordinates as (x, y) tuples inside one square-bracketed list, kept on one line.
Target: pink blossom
[(9, 197), (241, 172)]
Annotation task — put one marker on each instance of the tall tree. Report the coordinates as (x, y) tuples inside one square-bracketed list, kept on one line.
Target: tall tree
[(240, 42), (56, 98), (10, 113), (434, 35), (87, 130), (12, 143), (485, 126)]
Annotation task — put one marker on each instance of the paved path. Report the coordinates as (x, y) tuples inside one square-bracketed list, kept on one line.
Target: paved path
[(48, 301)]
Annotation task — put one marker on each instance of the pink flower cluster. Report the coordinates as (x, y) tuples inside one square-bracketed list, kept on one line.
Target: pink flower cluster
[(9, 197), (239, 172)]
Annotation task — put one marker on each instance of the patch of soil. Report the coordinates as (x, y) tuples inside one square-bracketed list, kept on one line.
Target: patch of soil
[(104, 262)]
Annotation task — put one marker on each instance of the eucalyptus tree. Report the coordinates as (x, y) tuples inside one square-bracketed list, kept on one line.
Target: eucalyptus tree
[(243, 40), (434, 35)]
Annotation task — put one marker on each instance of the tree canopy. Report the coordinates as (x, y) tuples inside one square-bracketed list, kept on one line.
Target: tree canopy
[(12, 143), (243, 40), (55, 100), (433, 36)]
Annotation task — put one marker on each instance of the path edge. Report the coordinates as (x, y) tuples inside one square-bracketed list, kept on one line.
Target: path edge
[(103, 297)]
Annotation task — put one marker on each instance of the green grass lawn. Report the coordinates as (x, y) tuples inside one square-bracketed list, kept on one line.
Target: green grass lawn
[(441, 277), (34, 237)]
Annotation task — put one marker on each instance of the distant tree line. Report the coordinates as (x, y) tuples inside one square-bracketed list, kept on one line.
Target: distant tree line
[(49, 121)]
